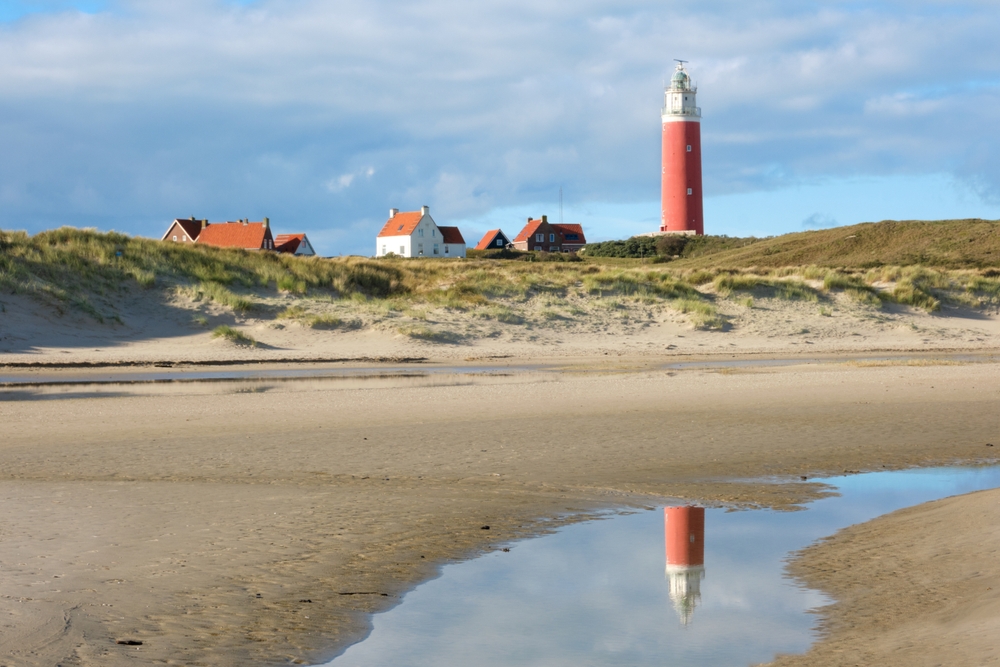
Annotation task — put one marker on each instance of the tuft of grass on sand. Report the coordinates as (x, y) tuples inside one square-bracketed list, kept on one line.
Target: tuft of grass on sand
[(703, 315), (233, 335)]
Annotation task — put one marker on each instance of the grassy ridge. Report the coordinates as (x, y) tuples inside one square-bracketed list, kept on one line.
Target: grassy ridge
[(952, 244), (87, 271)]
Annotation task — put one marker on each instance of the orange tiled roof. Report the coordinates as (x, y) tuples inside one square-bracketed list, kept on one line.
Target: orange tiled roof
[(288, 242), (486, 242), (451, 235), (250, 236), (401, 224), (528, 230)]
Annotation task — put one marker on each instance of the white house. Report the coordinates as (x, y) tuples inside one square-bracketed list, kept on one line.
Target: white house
[(415, 234)]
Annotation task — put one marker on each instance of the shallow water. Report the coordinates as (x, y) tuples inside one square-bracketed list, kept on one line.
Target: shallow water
[(596, 593)]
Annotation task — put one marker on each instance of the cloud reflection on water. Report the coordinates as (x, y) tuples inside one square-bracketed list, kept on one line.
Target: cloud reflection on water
[(596, 593)]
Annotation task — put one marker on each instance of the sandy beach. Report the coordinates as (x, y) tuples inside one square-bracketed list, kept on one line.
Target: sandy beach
[(262, 521)]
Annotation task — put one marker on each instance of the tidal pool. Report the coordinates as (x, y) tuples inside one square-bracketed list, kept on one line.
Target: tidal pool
[(600, 592)]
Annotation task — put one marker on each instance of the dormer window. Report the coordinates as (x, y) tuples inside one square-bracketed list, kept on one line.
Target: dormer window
[(400, 228)]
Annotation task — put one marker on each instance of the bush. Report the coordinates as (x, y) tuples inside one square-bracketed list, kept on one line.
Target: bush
[(637, 246)]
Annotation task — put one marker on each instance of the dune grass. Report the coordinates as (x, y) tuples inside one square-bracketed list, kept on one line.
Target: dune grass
[(89, 271), (233, 335)]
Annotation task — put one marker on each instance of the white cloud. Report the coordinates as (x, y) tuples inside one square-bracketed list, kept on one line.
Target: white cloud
[(470, 106)]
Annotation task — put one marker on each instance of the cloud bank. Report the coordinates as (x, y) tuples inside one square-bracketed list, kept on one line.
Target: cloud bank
[(322, 115)]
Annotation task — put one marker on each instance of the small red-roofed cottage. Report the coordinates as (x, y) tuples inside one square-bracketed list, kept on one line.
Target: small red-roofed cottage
[(494, 239), (184, 231), (241, 234), (543, 235), (415, 234), (294, 244), (454, 242)]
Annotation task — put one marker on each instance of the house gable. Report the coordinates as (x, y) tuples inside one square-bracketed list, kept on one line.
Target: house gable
[(184, 231), (494, 239)]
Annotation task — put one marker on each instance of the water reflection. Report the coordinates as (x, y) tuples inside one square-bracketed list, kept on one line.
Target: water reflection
[(594, 593), (684, 534)]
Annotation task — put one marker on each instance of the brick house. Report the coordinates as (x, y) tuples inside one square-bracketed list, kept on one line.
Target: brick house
[(184, 231), (546, 236)]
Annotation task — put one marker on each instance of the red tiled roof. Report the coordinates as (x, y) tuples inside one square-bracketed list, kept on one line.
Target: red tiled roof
[(191, 227), (401, 224), (250, 236), (486, 242), (571, 229), (528, 230), (451, 235), (288, 242)]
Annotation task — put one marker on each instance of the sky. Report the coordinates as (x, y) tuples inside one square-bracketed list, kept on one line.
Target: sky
[(323, 114)]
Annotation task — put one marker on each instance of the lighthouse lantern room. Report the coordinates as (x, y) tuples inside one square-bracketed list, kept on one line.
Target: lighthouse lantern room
[(681, 199)]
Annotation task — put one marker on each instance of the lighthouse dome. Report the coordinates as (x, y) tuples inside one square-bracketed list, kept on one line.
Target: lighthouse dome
[(680, 80)]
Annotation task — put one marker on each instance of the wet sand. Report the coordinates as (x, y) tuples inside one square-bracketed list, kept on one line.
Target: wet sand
[(920, 586), (260, 523)]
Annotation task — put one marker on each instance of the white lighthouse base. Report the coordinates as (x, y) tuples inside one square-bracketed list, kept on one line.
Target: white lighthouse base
[(685, 589)]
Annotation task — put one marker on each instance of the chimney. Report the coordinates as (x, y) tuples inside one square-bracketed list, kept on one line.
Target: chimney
[(267, 223), (204, 224), (245, 221), (424, 210), (545, 218), (529, 219), (393, 212)]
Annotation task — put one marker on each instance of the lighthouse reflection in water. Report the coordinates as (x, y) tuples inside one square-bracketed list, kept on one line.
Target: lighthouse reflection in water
[(684, 529)]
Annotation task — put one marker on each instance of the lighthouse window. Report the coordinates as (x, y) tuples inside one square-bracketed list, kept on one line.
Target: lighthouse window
[(689, 148), (690, 192)]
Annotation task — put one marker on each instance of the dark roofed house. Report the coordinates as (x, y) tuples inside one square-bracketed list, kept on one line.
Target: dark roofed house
[(454, 242), (294, 244), (542, 235), (184, 231), (494, 239), (241, 234)]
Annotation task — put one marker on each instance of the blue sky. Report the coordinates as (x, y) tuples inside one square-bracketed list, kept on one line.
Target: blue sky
[(322, 115)]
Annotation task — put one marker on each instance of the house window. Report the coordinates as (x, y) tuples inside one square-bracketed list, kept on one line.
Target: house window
[(538, 247), (402, 250), (175, 238), (539, 237), (383, 250), (420, 232), (499, 242), (435, 248), (690, 191), (689, 148), (446, 248), (433, 232), (553, 248), (552, 238), (572, 237)]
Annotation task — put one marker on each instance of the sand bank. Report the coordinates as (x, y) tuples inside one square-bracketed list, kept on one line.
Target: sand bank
[(260, 523), (920, 586)]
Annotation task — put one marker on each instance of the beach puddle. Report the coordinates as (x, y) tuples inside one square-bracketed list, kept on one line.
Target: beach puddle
[(676, 587)]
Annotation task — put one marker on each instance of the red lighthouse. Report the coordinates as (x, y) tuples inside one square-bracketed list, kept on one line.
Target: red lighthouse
[(684, 529), (680, 188)]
